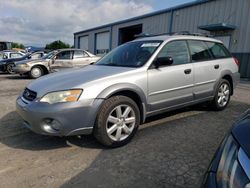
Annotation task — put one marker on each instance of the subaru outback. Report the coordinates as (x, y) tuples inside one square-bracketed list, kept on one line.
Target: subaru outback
[(142, 78)]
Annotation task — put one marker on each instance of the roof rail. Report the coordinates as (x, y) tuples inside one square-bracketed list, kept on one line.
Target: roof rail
[(142, 35)]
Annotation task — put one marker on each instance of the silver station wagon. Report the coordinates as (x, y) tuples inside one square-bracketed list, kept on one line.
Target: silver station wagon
[(136, 80), (55, 61)]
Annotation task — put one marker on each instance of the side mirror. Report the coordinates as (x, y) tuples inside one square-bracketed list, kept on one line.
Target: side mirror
[(163, 61)]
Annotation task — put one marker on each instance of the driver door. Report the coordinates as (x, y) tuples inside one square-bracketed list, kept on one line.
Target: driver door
[(171, 85), (62, 60)]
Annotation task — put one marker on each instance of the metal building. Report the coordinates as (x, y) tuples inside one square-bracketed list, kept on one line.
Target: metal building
[(227, 20)]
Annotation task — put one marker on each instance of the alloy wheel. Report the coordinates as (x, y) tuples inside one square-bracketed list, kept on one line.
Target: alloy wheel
[(223, 95), (120, 122)]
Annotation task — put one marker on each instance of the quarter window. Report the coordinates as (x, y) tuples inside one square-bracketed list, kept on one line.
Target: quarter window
[(177, 50), (199, 51), (218, 50)]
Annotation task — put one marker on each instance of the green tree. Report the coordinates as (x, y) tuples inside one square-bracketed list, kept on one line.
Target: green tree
[(17, 45), (57, 45)]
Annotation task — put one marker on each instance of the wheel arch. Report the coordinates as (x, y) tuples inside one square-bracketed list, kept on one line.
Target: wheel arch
[(45, 70), (128, 90)]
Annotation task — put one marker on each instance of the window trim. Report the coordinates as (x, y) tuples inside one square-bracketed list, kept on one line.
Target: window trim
[(175, 40), (204, 41)]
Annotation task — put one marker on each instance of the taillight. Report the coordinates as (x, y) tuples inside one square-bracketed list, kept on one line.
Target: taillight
[(237, 61)]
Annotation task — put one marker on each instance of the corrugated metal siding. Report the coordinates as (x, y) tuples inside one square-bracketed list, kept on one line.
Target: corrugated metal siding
[(244, 59), (235, 12)]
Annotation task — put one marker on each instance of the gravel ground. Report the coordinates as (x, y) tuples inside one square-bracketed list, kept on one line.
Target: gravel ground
[(170, 150)]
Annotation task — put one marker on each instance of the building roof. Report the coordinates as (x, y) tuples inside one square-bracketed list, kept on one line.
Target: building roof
[(194, 3)]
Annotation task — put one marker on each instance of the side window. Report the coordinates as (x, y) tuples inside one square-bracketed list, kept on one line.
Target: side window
[(64, 55), (199, 51), (218, 50), (36, 56), (15, 55), (178, 50), (80, 54)]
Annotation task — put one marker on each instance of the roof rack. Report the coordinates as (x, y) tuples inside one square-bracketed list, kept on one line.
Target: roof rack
[(142, 35)]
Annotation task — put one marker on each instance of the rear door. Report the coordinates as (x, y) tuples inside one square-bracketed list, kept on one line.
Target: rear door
[(171, 85), (63, 60), (81, 58), (206, 69)]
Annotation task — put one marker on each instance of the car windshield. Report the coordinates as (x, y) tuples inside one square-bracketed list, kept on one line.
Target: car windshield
[(50, 55), (132, 54)]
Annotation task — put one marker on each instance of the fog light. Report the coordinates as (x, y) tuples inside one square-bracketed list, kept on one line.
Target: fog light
[(51, 125)]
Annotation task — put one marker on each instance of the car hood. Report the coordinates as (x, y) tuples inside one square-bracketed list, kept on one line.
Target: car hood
[(31, 61), (74, 78), (241, 132)]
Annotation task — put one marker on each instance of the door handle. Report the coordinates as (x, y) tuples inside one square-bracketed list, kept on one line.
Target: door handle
[(216, 66), (187, 71)]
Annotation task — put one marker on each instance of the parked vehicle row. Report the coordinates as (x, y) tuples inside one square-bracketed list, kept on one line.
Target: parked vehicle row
[(55, 61), (145, 77), (9, 57)]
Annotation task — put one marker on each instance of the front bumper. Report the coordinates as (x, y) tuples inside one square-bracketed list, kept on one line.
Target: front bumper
[(73, 118), (20, 69)]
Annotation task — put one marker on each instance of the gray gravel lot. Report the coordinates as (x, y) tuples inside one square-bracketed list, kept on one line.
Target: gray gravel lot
[(170, 150)]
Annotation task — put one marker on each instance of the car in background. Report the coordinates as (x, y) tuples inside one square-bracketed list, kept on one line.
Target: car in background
[(10, 57), (230, 167), (55, 61), (11, 54)]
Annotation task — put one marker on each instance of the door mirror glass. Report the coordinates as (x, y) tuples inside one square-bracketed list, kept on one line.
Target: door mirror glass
[(163, 61)]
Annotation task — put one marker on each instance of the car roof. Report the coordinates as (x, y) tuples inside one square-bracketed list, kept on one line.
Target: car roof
[(241, 132), (177, 37)]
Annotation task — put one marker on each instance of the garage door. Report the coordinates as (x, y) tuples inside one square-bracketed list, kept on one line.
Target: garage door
[(102, 43), (84, 43)]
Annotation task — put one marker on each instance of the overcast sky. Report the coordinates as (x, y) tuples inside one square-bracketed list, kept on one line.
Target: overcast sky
[(37, 22)]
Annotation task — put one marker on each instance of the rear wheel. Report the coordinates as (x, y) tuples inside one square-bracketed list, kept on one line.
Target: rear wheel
[(222, 96), (117, 121), (9, 68), (36, 72)]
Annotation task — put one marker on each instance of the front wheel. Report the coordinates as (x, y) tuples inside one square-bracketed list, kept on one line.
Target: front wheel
[(222, 96), (117, 121)]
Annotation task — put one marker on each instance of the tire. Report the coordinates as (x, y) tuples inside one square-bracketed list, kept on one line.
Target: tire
[(9, 68), (117, 121), (36, 72), (222, 95)]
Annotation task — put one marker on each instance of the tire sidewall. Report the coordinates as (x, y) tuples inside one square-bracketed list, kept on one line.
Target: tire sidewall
[(9, 66), (216, 105), (36, 67), (102, 119)]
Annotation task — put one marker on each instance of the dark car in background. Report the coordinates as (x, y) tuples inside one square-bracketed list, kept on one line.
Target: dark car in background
[(9, 58), (230, 167)]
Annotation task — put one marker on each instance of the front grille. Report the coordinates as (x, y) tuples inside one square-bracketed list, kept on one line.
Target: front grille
[(29, 95)]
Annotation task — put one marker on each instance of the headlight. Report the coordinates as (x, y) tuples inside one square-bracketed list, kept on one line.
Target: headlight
[(230, 174), (62, 96)]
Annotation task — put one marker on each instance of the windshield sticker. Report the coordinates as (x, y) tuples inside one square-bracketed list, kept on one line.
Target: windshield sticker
[(150, 45)]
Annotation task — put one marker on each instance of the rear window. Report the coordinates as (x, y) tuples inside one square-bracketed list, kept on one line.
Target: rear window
[(199, 51), (218, 50)]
